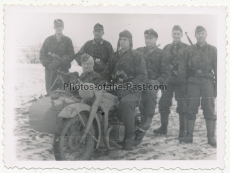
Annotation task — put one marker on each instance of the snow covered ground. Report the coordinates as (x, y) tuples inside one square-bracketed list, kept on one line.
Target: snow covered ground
[(33, 145)]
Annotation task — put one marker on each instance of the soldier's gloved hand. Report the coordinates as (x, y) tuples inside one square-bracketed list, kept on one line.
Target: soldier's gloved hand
[(54, 64)]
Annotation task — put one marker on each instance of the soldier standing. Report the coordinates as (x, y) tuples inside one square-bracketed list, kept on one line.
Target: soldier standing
[(100, 49), (56, 53), (131, 64), (158, 73), (200, 70), (175, 51)]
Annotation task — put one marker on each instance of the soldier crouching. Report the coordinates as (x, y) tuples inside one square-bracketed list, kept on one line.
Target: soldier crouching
[(200, 68), (127, 66)]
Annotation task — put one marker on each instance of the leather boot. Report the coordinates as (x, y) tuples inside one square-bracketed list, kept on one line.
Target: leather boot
[(190, 129), (128, 144), (211, 125), (164, 125), (183, 125)]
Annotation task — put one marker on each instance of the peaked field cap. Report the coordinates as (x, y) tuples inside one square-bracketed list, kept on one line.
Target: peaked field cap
[(126, 34), (199, 29), (151, 32), (177, 27), (85, 57), (98, 26), (58, 22)]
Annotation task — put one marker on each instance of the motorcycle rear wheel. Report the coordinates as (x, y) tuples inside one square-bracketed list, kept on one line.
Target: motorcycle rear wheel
[(67, 138)]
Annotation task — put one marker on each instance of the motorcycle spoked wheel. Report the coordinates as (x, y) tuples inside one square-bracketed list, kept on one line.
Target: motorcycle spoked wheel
[(66, 140)]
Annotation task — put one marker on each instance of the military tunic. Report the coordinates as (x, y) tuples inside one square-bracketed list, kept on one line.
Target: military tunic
[(100, 51), (176, 53), (158, 73), (200, 70), (63, 48), (133, 64), (92, 77)]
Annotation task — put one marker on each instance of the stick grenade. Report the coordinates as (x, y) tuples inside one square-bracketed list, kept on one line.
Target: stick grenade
[(188, 38)]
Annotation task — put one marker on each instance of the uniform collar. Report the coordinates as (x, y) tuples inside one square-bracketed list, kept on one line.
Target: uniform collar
[(177, 44), (87, 73), (203, 47), (121, 54), (151, 48), (94, 42), (61, 38)]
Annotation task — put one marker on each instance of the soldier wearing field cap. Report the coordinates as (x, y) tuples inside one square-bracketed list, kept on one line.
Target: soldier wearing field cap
[(127, 66), (158, 73), (89, 75), (100, 49), (176, 51), (200, 72), (56, 53)]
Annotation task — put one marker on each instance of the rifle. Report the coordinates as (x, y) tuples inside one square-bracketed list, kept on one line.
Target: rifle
[(188, 38)]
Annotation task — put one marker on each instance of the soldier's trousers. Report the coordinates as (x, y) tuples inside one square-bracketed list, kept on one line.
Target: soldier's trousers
[(149, 100), (126, 112), (200, 91), (166, 99)]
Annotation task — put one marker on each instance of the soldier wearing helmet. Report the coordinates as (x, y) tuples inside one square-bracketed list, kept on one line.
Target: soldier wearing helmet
[(132, 64)]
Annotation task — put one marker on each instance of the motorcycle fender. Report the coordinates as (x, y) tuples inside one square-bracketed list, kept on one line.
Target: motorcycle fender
[(72, 110)]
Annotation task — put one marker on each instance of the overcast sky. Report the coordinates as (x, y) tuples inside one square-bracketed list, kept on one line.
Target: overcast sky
[(24, 30)]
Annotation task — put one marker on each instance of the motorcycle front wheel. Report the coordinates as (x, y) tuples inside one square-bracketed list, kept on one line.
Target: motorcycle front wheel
[(67, 142)]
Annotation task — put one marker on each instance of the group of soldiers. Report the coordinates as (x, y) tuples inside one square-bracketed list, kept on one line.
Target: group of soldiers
[(188, 71)]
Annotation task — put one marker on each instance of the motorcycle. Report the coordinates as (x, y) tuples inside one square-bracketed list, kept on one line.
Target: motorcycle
[(80, 125)]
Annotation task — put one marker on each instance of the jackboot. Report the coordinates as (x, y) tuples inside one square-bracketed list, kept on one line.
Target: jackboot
[(211, 125), (128, 144), (190, 129), (164, 125), (183, 125)]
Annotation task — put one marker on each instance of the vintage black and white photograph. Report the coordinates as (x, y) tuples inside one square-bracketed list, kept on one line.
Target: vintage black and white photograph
[(92, 85)]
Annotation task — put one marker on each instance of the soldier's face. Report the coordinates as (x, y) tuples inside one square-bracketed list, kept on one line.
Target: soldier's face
[(150, 40), (124, 43), (177, 35), (98, 34), (87, 66), (58, 29), (201, 36)]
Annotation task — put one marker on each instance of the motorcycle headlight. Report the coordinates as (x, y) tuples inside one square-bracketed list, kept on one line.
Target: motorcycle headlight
[(86, 91)]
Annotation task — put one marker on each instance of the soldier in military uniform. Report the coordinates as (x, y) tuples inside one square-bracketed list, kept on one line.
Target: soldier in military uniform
[(56, 53), (176, 51), (100, 49), (200, 70), (127, 66), (89, 75), (158, 73)]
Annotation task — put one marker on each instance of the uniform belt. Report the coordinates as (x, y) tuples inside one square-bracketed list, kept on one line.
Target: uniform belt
[(203, 71)]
